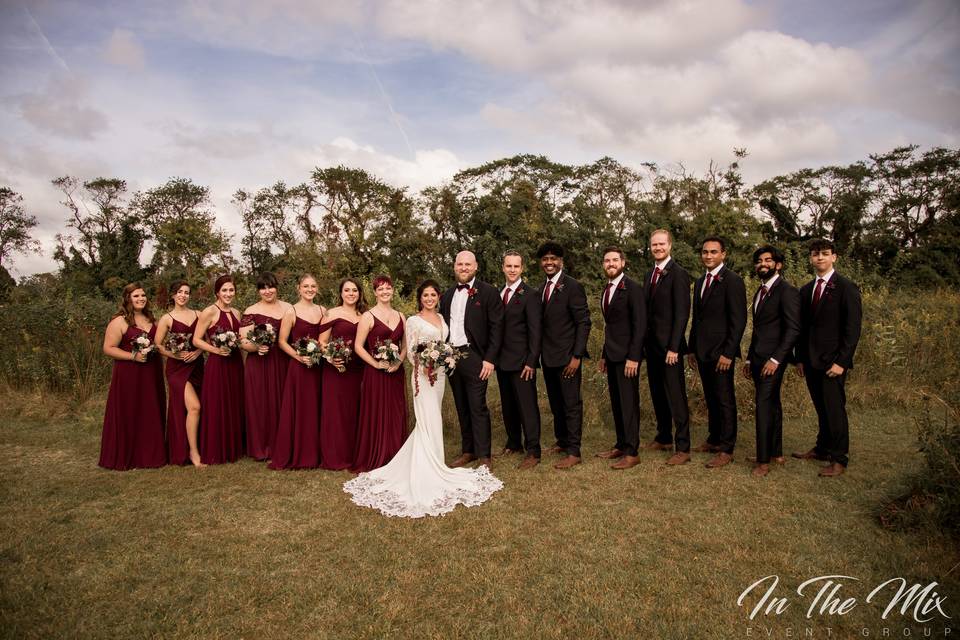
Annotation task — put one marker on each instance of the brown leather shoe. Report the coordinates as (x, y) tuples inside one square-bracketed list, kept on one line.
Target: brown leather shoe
[(656, 446), (464, 458), (554, 449), (485, 461), (832, 470), (809, 455), (626, 462), (680, 457), (761, 470), (778, 459), (706, 447), (611, 454), (529, 463), (722, 459), (508, 451), (567, 462)]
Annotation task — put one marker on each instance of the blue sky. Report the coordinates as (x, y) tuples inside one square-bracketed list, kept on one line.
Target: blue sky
[(242, 93)]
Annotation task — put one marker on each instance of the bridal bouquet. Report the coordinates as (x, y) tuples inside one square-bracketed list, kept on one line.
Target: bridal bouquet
[(262, 335), (387, 351), (142, 344), (226, 339), (310, 348), (178, 343), (338, 349), (435, 356)]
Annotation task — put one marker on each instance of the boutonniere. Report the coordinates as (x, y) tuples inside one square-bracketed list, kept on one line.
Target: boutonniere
[(718, 278), (520, 291), (831, 285), (471, 292), (559, 287), (622, 285)]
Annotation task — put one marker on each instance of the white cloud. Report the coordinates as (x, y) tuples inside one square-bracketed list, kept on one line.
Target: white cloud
[(123, 49), (59, 109)]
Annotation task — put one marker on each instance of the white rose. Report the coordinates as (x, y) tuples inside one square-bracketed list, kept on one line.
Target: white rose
[(311, 347)]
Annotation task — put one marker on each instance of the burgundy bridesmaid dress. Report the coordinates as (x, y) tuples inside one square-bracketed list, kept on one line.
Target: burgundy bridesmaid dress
[(297, 444), (340, 410), (221, 400), (179, 373), (383, 406), (263, 381), (133, 420)]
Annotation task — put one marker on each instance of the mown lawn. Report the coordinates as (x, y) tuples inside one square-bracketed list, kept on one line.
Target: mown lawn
[(239, 551)]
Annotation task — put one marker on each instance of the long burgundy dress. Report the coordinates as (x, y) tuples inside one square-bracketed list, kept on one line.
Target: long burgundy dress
[(179, 373), (340, 410), (383, 406), (297, 444), (133, 420), (221, 401), (263, 378)]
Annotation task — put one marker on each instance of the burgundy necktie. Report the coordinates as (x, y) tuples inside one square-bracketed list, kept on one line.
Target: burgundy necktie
[(546, 292), (506, 295), (654, 280), (763, 294), (816, 293), (706, 288), (606, 297)]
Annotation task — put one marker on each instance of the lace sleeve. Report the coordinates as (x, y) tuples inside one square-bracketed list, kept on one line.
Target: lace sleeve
[(413, 338), (247, 320)]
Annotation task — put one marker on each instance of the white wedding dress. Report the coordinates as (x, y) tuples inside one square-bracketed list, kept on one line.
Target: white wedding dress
[(417, 482)]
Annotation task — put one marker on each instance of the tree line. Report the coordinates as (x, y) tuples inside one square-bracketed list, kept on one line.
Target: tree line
[(894, 216)]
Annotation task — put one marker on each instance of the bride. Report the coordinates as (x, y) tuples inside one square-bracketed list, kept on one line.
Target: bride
[(416, 482)]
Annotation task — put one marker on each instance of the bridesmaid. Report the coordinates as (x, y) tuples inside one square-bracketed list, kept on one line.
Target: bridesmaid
[(221, 422), (383, 404), (184, 376), (133, 420), (297, 444), (263, 373), (340, 409)]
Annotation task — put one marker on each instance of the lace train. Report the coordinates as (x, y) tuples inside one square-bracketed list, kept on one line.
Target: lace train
[(367, 491)]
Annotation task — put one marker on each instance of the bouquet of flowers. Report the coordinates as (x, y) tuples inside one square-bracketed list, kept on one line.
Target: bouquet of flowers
[(387, 351), (310, 348), (142, 344), (178, 343), (338, 349), (226, 339), (436, 356), (262, 335)]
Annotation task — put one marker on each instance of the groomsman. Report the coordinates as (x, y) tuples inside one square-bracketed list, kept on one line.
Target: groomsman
[(776, 326), (625, 318), (474, 312), (566, 326), (668, 309), (719, 320), (831, 315), (518, 362)]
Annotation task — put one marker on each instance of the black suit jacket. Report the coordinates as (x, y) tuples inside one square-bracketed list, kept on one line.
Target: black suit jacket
[(625, 321), (566, 323), (483, 319), (776, 324), (668, 310), (522, 317), (719, 317), (830, 335)]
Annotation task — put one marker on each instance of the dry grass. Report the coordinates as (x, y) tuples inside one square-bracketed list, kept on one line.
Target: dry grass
[(241, 551)]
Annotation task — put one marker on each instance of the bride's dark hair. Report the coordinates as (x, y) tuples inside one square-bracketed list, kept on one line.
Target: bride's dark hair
[(426, 284)]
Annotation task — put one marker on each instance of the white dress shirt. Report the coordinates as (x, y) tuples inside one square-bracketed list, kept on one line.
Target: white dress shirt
[(613, 289), (826, 280), (553, 286), (769, 285), (512, 288), (458, 310), (713, 273)]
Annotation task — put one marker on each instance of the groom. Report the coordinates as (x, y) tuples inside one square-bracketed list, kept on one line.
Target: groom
[(474, 312)]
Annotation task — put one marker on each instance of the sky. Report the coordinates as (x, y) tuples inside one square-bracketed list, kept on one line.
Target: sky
[(242, 93)]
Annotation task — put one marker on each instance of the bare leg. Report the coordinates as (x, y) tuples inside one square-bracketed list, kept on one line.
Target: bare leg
[(192, 402)]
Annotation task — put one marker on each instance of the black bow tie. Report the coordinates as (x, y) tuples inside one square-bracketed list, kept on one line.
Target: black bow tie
[(461, 287)]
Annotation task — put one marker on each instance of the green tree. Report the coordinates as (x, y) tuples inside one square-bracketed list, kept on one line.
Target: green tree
[(103, 252), (15, 225), (187, 242)]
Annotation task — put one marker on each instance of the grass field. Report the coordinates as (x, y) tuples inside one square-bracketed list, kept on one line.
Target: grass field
[(239, 551)]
